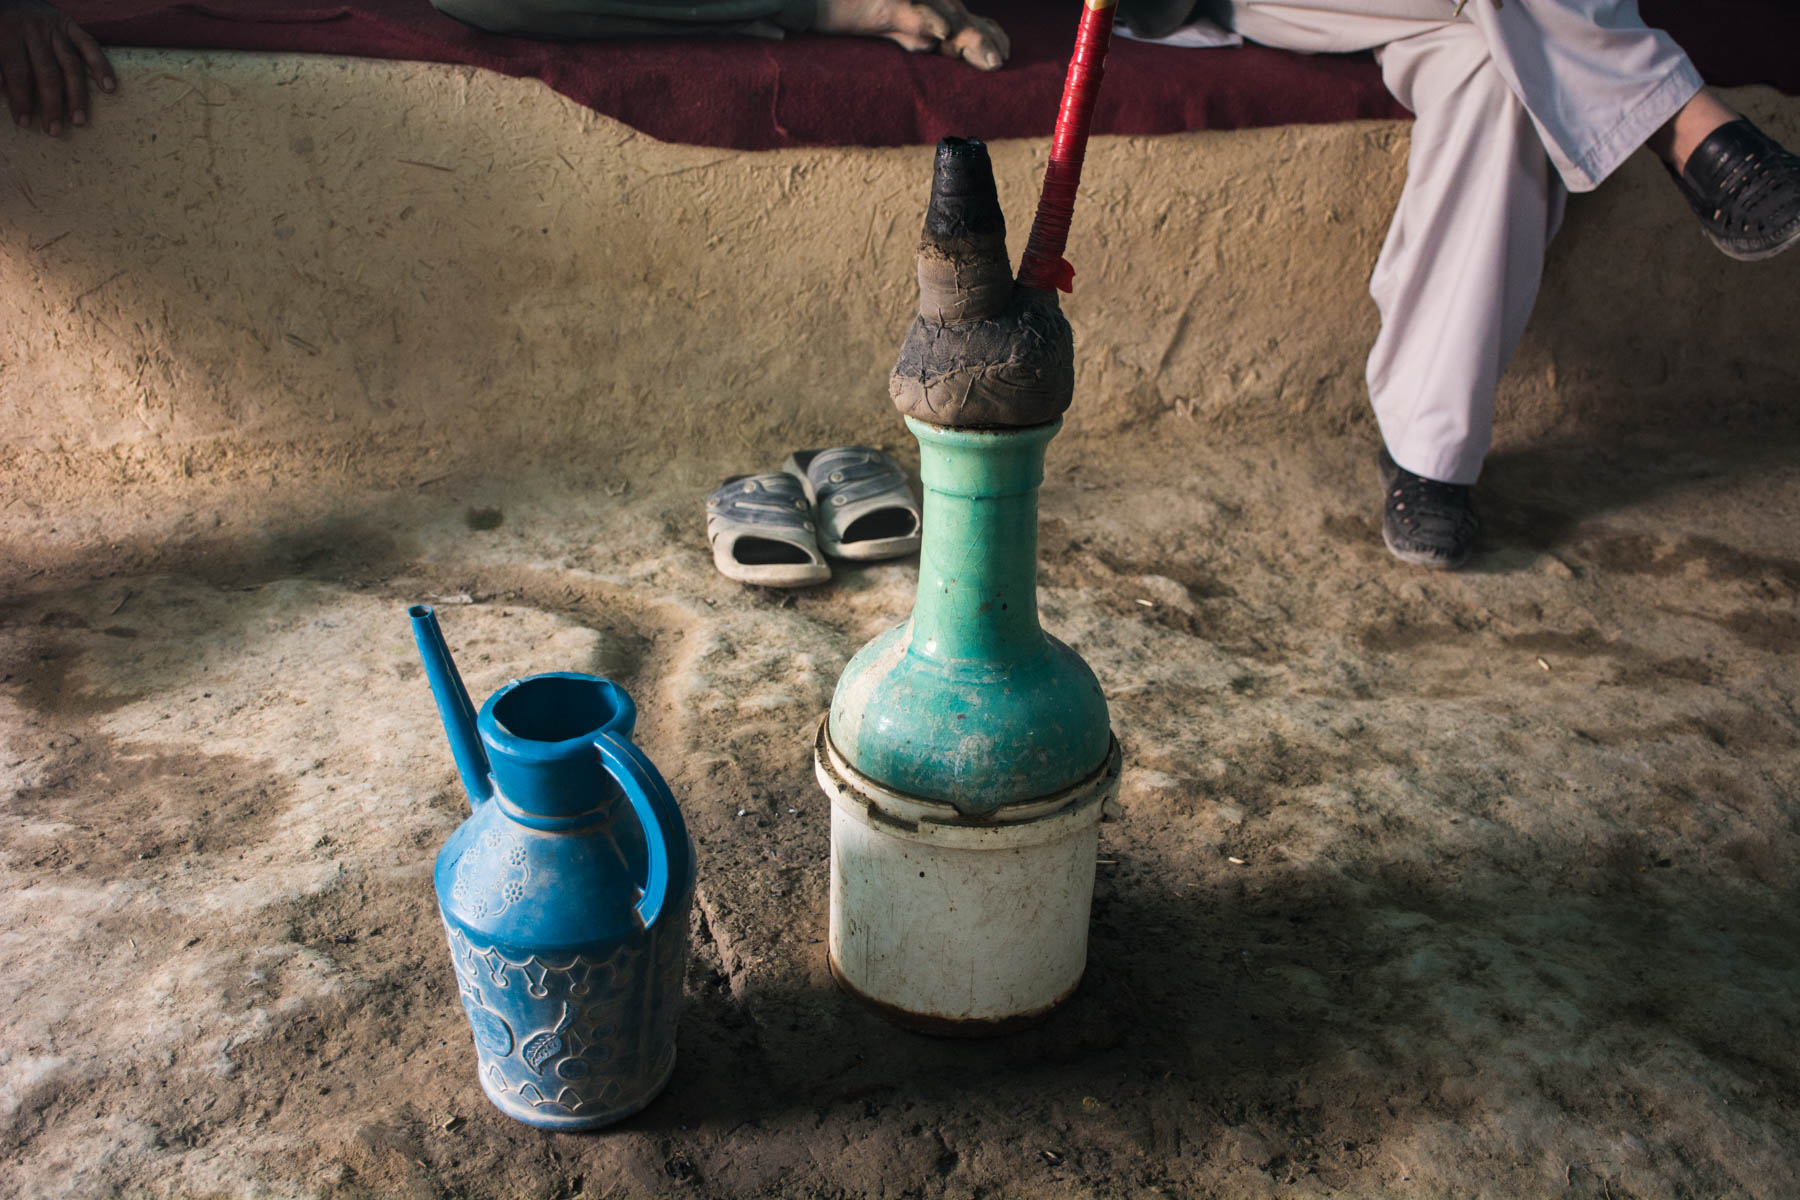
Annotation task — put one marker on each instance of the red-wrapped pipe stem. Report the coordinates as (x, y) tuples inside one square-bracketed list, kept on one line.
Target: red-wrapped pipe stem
[(1042, 265)]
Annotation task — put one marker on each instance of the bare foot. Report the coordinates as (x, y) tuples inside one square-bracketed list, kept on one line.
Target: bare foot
[(1696, 121), (941, 25)]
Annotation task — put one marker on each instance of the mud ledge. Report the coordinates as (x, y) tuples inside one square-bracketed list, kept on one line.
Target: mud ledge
[(373, 262)]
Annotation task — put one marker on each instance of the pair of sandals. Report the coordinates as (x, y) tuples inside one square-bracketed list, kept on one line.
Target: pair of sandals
[(775, 530)]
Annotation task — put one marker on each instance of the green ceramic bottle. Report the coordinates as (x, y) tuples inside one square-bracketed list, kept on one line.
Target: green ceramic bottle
[(969, 701)]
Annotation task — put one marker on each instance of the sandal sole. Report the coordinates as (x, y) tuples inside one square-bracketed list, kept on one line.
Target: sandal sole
[(872, 549), (1786, 243), (781, 575), (1420, 559)]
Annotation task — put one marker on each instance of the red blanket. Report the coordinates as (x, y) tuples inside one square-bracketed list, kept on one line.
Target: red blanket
[(751, 94)]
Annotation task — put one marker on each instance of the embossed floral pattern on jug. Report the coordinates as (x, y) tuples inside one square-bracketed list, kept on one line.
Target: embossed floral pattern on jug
[(577, 1037)]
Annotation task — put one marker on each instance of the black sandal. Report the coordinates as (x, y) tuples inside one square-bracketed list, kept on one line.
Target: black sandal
[(1745, 187), (1424, 522)]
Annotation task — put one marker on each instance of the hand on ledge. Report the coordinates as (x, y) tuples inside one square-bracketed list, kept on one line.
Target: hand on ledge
[(941, 25), (45, 61)]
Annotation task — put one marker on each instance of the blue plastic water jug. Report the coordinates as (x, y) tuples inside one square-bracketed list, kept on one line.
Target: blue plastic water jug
[(565, 895)]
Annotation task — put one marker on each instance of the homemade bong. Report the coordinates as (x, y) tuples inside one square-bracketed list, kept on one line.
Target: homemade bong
[(967, 753)]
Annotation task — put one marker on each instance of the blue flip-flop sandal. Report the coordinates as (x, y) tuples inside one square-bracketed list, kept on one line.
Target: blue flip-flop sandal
[(864, 507), (762, 532)]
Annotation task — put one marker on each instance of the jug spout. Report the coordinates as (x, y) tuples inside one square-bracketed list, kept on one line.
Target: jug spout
[(453, 705)]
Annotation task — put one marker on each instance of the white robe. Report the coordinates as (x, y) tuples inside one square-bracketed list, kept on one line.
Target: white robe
[(1518, 102)]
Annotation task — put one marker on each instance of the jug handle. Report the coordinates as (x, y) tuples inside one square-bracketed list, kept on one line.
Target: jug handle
[(639, 781)]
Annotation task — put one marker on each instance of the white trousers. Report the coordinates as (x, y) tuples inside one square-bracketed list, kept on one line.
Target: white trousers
[(1518, 103)]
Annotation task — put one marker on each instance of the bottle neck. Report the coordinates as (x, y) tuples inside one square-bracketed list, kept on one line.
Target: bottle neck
[(977, 597)]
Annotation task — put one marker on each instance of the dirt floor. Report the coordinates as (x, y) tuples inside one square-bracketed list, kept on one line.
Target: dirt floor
[(1418, 885)]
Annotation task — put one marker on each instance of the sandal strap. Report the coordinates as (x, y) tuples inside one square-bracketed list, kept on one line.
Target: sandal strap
[(776, 501), (846, 475), (1427, 506)]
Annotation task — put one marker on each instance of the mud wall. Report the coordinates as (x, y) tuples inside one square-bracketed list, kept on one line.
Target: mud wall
[(400, 266)]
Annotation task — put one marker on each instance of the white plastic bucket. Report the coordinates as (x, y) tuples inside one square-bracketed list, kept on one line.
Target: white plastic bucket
[(954, 924)]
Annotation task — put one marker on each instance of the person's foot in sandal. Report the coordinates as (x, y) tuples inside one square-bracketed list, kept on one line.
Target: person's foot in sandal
[(762, 532), (1742, 184), (865, 509), (1424, 522), (1745, 188)]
